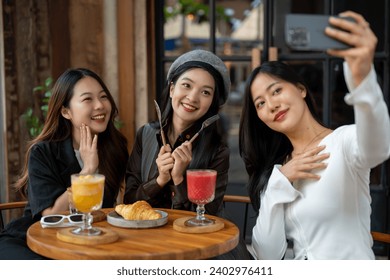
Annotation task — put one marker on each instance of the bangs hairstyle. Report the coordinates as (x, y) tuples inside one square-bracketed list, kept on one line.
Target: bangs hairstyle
[(210, 139), (174, 76)]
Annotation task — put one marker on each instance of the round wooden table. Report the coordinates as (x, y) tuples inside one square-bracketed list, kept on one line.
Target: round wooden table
[(159, 243)]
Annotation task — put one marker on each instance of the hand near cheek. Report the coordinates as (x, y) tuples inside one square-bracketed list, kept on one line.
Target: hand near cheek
[(301, 166), (88, 150), (164, 163), (182, 156)]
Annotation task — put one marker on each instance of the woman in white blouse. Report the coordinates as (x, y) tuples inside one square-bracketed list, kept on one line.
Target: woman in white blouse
[(310, 183)]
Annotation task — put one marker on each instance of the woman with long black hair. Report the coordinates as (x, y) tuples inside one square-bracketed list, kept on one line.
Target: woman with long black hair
[(310, 184), (79, 136), (197, 86)]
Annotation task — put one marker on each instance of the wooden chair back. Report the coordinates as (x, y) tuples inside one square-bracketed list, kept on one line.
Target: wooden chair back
[(240, 199), (9, 206)]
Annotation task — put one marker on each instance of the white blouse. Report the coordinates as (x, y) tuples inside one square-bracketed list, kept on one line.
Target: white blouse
[(329, 218)]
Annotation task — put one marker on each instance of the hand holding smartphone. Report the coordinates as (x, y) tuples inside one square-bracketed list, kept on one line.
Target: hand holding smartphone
[(306, 32)]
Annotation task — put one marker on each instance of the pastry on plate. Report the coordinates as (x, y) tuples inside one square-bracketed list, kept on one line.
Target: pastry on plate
[(140, 210)]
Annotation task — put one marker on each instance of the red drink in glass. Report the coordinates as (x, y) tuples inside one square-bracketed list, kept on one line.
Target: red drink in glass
[(201, 188), (201, 185)]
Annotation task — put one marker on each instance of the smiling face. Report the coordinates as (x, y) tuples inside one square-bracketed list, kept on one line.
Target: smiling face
[(279, 104), (192, 95), (89, 105)]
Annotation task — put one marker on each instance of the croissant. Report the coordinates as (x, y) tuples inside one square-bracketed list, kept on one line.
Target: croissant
[(140, 210)]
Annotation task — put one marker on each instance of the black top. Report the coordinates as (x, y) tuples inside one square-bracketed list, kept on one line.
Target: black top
[(50, 166), (170, 196)]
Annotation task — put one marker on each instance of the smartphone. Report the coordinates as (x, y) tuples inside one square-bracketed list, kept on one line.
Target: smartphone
[(306, 32)]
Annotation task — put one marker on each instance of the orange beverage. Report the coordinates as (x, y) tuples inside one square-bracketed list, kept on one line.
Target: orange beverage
[(87, 192)]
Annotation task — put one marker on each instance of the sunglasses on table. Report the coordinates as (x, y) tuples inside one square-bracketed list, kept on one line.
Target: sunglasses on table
[(62, 220)]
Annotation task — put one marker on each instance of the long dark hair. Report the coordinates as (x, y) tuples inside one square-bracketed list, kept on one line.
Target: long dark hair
[(208, 142), (261, 147), (112, 145)]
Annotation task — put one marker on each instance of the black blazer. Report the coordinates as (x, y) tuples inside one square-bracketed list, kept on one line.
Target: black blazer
[(50, 166), (49, 169)]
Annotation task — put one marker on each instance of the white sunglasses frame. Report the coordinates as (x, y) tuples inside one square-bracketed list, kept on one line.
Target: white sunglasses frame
[(65, 221)]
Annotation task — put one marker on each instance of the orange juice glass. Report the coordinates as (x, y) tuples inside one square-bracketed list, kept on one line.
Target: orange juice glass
[(87, 196)]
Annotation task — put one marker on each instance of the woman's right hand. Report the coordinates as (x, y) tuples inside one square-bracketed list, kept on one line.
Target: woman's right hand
[(302, 165), (165, 164)]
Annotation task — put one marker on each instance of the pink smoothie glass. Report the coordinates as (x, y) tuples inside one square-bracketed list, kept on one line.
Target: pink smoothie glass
[(200, 189)]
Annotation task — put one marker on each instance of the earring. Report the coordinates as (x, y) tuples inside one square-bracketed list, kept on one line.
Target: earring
[(303, 90)]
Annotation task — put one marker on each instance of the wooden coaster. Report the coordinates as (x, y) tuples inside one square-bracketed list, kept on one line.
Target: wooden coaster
[(107, 236), (98, 216), (179, 225)]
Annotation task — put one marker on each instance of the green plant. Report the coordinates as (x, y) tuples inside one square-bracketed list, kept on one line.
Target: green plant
[(34, 120)]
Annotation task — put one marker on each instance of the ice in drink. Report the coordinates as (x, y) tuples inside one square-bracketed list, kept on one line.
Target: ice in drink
[(87, 192)]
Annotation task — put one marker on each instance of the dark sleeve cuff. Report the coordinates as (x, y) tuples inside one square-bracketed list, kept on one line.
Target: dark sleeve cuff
[(179, 196), (151, 188)]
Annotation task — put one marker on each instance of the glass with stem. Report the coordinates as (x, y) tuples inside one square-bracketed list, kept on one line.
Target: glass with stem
[(87, 196), (201, 190)]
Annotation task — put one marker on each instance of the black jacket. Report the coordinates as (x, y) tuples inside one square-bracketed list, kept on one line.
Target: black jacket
[(50, 166), (141, 176)]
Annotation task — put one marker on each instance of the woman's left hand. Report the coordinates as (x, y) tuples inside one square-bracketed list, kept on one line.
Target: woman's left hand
[(88, 150), (362, 40), (182, 156)]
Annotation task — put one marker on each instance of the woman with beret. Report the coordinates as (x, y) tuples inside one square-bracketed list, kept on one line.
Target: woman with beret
[(197, 86)]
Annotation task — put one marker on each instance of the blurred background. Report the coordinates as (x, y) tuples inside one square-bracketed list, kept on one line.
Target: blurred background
[(131, 44)]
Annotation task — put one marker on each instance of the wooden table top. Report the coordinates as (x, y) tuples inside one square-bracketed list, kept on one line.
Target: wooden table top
[(159, 243)]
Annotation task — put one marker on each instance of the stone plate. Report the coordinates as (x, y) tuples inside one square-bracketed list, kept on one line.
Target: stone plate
[(117, 220)]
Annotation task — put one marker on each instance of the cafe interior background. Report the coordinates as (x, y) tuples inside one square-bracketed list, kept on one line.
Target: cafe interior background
[(131, 44)]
